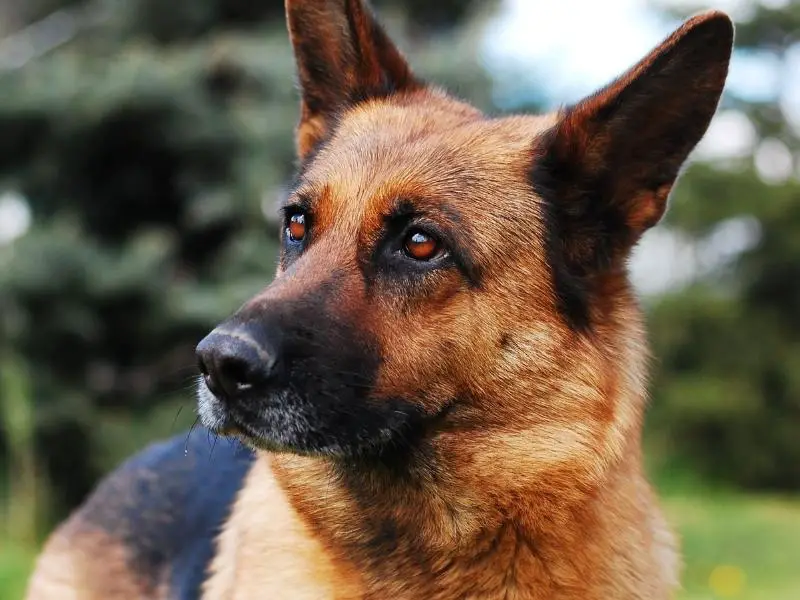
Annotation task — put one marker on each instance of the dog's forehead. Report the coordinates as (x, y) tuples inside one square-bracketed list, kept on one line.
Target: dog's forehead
[(385, 151)]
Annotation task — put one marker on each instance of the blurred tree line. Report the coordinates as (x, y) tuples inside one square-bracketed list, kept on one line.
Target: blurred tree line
[(152, 147), (726, 396)]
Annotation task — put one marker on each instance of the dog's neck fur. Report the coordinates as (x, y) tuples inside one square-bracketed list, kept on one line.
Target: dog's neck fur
[(415, 543)]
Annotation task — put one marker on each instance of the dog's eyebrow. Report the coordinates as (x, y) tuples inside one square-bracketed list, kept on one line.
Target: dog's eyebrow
[(298, 199), (294, 190), (405, 207), (298, 180), (454, 232)]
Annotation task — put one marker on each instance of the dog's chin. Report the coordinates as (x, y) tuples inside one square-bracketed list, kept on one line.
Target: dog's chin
[(280, 425), (259, 441)]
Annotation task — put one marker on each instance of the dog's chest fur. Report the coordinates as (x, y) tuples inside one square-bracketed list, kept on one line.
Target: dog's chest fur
[(268, 550)]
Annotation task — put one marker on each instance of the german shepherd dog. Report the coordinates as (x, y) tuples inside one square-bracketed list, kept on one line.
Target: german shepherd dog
[(440, 395)]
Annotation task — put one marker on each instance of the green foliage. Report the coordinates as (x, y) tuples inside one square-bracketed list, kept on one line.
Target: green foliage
[(145, 181), (770, 29), (736, 418), (33, 10), (189, 20), (727, 386)]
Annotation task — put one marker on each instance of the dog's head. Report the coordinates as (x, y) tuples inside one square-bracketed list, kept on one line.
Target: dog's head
[(452, 283)]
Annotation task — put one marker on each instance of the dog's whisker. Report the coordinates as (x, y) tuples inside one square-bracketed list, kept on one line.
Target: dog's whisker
[(189, 435)]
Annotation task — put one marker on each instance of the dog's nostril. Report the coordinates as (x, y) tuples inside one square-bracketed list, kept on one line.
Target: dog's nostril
[(201, 365), (235, 374), (210, 384)]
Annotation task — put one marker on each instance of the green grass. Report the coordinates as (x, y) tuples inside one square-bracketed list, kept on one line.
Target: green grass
[(15, 564), (758, 536)]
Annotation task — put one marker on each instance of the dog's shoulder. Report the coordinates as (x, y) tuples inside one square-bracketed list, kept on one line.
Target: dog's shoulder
[(149, 528)]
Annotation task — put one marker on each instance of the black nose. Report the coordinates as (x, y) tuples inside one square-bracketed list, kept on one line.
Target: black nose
[(234, 363)]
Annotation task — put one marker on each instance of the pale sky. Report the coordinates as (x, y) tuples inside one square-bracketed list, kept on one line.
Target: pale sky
[(577, 46)]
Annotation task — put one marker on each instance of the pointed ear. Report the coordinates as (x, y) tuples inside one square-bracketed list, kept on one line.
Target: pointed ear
[(343, 57), (609, 164)]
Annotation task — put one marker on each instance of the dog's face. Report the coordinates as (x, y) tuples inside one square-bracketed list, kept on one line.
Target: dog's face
[(448, 279)]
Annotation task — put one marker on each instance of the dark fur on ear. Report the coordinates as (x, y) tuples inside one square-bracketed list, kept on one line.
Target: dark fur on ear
[(608, 165), (343, 57)]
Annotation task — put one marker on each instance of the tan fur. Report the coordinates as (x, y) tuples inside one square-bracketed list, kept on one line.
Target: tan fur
[(552, 549), (269, 554), (528, 480), (81, 564)]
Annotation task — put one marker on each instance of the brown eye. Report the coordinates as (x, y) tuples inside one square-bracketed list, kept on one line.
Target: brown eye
[(297, 227), (421, 246)]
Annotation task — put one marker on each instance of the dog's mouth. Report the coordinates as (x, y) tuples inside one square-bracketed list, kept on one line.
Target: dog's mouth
[(319, 425)]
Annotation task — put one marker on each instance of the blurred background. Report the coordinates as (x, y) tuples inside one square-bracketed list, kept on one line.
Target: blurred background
[(144, 146)]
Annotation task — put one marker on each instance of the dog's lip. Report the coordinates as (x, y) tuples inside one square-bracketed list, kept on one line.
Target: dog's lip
[(250, 436), (226, 429), (223, 421), (232, 426), (239, 430)]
